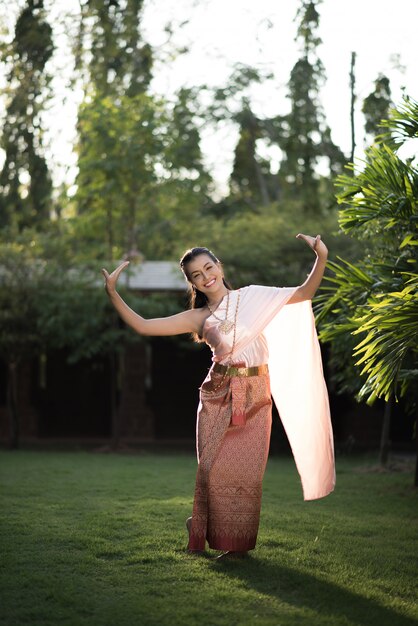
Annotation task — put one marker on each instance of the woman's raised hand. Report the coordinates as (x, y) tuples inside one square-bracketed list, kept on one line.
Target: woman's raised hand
[(315, 243), (112, 279)]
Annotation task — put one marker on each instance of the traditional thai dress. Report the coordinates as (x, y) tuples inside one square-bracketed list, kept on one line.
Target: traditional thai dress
[(276, 352)]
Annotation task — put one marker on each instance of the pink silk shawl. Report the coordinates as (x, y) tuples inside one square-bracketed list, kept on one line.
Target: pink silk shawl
[(296, 377)]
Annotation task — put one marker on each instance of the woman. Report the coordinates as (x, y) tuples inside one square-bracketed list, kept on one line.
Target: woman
[(245, 328)]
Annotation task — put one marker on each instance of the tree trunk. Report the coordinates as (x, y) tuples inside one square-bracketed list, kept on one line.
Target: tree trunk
[(384, 440), (416, 462), (265, 197), (353, 100), (12, 405), (109, 230), (114, 401)]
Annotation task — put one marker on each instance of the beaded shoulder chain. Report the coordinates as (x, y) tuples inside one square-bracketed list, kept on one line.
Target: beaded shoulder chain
[(234, 326)]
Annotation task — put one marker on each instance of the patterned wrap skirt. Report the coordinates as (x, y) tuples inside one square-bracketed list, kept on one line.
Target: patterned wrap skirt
[(233, 438)]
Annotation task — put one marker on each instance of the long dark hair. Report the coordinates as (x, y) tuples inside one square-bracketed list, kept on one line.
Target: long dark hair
[(197, 299)]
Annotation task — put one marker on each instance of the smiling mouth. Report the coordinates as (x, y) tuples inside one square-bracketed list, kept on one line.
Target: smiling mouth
[(210, 283)]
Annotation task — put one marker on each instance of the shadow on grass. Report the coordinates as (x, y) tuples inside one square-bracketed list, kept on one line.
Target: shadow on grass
[(303, 590)]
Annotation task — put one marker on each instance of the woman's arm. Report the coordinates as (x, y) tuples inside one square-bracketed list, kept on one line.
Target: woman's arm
[(311, 284), (185, 322)]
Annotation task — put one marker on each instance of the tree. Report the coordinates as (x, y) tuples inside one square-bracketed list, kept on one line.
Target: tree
[(303, 134), (25, 185), (251, 179), (376, 300), (141, 177), (115, 125), (141, 181), (109, 50), (251, 182), (376, 106), (352, 104), (117, 153)]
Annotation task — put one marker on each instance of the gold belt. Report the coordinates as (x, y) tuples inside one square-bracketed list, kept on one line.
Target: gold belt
[(232, 370)]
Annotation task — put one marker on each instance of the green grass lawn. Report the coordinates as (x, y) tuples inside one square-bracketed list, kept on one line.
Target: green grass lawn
[(99, 539)]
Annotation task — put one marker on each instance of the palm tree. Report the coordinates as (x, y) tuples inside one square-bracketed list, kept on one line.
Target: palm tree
[(373, 305)]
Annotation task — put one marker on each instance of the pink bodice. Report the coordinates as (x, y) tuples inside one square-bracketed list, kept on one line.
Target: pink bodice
[(257, 306)]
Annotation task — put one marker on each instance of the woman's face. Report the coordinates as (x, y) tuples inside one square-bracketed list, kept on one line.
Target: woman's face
[(205, 274)]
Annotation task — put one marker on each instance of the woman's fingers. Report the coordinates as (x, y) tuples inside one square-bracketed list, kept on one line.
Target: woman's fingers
[(311, 241), (111, 279), (315, 243), (119, 269)]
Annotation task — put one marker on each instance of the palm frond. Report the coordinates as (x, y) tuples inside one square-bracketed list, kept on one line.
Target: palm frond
[(401, 125), (384, 194), (390, 326)]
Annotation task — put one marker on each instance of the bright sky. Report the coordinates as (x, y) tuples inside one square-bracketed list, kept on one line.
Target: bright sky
[(220, 33)]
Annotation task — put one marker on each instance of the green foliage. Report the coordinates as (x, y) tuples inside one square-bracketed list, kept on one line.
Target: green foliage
[(261, 247), (302, 135), (382, 198), (251, 182), (308, 17), (25, 185), (376, 106), (182, 139), (118, 147), (19, 279), (74, 313), (225, 103), (109, 48), (371, 326), (377, 300), (401, 125), (46, 305), (390, 324), (347, 288), (141, 179)]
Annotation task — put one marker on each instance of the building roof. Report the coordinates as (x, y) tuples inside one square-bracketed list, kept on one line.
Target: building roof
[(154, 276)]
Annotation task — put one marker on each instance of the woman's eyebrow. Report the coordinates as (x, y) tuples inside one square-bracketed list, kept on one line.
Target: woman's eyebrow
[(205, 265)]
